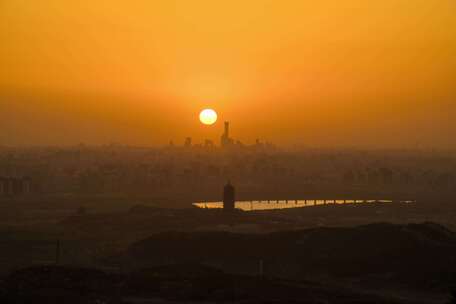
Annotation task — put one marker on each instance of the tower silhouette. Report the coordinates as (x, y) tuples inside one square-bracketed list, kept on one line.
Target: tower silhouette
[(228, 197), (225, 140)]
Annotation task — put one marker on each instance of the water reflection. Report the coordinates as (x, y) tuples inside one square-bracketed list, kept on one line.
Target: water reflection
[(283, 204)]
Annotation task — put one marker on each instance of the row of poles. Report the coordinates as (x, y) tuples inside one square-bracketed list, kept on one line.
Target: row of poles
[(325, 202)]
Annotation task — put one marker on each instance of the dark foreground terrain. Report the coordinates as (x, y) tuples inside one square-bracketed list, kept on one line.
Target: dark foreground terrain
[(181, 283), (96, 250), (377, 263)]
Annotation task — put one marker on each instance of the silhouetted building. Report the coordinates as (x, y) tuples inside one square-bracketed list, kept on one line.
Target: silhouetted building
[(208, 143), (7, 186), (10, 186), (188, 142), (3, 186), (225, 140), (228, 197), (27, 185)]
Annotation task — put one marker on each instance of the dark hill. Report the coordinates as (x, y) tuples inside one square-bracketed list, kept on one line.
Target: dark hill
[(183, 283), (364, 250)]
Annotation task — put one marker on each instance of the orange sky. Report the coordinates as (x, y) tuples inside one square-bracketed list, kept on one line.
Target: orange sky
[(318, 73)]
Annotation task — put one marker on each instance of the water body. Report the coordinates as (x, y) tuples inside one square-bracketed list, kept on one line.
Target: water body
[(283, 204)]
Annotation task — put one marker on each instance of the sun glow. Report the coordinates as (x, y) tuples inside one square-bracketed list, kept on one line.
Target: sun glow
[(208, 116)]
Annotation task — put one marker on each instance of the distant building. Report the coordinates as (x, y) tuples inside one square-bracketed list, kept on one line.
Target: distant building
[(10, 186), (27, 185), (208, 143), (228, 197), (188, 142), (7, 186), (225, 140), (3, 186)]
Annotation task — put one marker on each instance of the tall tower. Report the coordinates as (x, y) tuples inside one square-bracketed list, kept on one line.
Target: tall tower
[(228, 197), (227, 129), (225, 139)]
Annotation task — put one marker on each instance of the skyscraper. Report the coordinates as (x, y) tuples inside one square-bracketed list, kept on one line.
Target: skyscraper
[(225, 140)]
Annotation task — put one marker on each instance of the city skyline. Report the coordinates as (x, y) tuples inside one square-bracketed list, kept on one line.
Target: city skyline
[(336, 73)]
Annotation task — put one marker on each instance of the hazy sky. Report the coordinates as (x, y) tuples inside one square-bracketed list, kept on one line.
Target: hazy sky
[(328, 72)]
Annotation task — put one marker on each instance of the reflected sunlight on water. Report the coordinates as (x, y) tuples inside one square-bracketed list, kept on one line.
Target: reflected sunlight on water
[(283, 204)]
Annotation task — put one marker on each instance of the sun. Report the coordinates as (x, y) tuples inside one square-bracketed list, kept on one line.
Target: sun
[(208, 116)]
